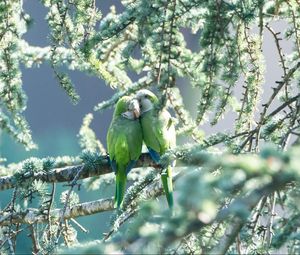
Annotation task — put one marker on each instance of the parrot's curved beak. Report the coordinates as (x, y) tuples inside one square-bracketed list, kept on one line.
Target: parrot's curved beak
[(136, 113), (135, 108)]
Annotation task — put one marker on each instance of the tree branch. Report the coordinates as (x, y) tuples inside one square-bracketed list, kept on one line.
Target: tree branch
[(32, 215), (247, 202), (67, 174)]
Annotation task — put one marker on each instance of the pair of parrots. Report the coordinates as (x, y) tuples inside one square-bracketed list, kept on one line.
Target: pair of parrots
[(137, 119)]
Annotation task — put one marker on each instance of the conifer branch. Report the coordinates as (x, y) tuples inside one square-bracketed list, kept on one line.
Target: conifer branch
[(67, 174), (66, 204), (282, 60), (276, 90), (296, 26), (247, 202), (33, 236), (32, 215)]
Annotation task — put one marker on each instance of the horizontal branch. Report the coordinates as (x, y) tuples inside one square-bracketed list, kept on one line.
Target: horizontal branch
[(32, 215), (67, 174)]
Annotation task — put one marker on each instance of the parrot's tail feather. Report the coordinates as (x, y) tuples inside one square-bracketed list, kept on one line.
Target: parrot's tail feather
[(120, 189), (166, 178)]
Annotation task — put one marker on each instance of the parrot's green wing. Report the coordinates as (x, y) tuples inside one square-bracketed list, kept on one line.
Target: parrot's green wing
[(124, 140), (164, 132), (134, 139), (159, 132), (159, 136), (166, 136), (124, 143), (110, 138), (149, 125), (121, 150)]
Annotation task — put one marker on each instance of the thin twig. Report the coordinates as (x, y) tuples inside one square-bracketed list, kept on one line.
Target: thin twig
[(285, 104), (49, 210), (35, 244), (294, 17), (126, 217), (281, 56), (269, 226), (238, 244), (162, 43), (257, 214), (73, 184), (79, 225)]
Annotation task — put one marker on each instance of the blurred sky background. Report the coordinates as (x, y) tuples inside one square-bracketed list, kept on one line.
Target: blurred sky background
[(55, 121)]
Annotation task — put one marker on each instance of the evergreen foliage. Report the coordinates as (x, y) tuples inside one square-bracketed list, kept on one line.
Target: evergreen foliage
[(237, 191)]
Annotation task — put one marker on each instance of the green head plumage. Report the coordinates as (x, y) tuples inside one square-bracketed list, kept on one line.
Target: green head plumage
[(127, 107)]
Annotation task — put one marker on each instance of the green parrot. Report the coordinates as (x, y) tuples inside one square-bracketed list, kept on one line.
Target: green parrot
[(124, 142), (158, 134)]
